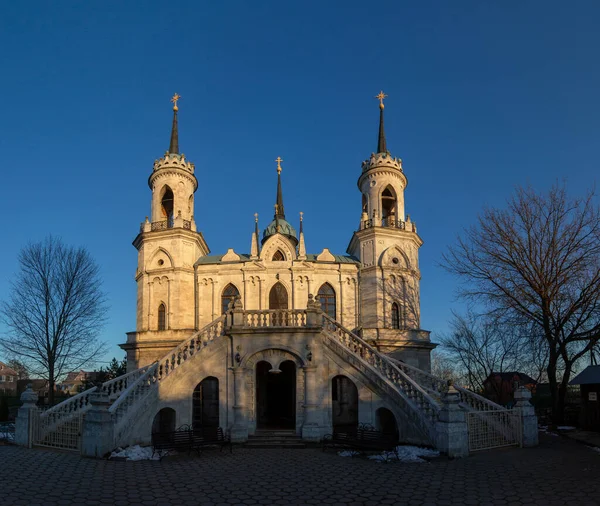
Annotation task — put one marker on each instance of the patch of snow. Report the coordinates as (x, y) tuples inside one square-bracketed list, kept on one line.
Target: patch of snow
[(565, 427), (135, 452), (406, 454), (348, 453), (595, 448)]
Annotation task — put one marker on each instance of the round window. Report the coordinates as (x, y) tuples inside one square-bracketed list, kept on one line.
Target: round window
[(161, 262), (395, 260)]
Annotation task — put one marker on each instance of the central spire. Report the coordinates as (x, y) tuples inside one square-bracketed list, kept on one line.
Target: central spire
[(381, 146), (279, 211), (174, 146)]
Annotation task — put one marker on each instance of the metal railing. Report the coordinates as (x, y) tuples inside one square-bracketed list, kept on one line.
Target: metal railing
[(7, 431), (493, 429), (388, 222)]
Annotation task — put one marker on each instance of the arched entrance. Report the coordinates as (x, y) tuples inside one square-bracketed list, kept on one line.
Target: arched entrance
[(276, 395), (206, 404), (344, 402), (386, 422), (164, 421)]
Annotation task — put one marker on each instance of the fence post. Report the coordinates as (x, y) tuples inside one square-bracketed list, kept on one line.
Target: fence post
[(237, 312), (97, 434), (528, 419), (312, 311), (452, 431), (23, 425)]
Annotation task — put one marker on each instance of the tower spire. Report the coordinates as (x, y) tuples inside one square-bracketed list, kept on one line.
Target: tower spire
[(174, 146), (279, 211), (381, 145)]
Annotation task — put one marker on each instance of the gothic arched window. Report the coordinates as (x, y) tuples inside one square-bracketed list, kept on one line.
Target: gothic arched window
[(167, 205), (326, 296), (162, 317), (388, 207), (278, 256), (229, 294), (395, 316), (278, 297)]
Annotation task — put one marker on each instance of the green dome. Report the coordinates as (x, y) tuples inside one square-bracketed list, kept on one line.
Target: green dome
[(284, 228)]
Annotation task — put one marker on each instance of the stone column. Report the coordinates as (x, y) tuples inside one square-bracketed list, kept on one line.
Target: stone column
[(310, 428), (23, 424), (97, 435), (529, 421), (237, 313), (239, 431), (312, 314), (452, 432)]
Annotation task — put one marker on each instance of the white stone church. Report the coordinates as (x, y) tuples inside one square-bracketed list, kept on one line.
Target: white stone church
[(277, 340)]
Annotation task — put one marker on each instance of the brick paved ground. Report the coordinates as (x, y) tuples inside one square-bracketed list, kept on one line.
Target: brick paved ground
[(560, 472)]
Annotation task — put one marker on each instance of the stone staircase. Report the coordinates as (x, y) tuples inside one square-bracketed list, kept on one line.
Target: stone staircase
[(275, 439)]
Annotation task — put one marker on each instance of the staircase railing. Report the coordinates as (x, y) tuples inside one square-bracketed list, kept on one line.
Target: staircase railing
[(424, 407), (469, 399), (80, 403), (125, 407)]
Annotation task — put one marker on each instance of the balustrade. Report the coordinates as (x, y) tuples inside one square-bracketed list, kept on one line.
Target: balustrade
[(275, 318)]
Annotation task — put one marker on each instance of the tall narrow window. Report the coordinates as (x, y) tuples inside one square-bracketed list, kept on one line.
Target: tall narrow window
[(395, 316), (388, 207), (326, 296), (229, 294), (167, 206), (162, 317)]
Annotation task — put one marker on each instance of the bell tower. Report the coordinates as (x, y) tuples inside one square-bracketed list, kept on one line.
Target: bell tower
[(168, 245), (387, 245)]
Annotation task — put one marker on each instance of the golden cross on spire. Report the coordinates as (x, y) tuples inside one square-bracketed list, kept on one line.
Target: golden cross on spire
[(278, 160), (256, 217), (175, 98), (381, 96), (301, 215)]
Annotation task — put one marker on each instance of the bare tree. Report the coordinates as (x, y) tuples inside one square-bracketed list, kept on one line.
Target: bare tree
[(55, 311), (19, 368), (479, 346), (537, 264)]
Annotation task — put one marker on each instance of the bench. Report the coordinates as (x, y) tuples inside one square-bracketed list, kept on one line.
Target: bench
[(362, 438), (185, 438)]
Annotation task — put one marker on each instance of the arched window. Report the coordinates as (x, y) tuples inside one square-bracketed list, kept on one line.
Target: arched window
[(162, 317), (164, 421), (395, 316), (278, 297), (167, 205), (388, 207), (326, 296), (278, 256), (229, 294)]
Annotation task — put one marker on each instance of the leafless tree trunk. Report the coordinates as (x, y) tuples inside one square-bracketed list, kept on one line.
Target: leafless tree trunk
[(55, 311), (537, 264)]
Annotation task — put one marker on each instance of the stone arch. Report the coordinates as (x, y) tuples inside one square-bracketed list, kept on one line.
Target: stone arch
[(167, 203), (205, 404), (275, 357), (164, 420), (389, 206), (275, 242), (161, 254), (344, 402), (386, 422), (394, 257)]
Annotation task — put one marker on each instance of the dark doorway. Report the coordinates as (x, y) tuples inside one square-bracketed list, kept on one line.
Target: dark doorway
[(206, 404), (344, 402), (278, 297), (386, 422), (164, 421), (276, 396)]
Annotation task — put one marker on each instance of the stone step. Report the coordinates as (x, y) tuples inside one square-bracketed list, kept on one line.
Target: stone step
[(275, 444), (275, 439)]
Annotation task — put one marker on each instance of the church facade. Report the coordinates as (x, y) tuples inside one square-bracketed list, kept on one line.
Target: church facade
[(277, 338)]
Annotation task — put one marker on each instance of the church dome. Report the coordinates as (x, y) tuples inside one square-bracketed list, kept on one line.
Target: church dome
[(284, 228)]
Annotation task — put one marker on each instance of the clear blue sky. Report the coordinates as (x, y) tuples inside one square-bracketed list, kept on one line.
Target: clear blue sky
[(483, 96)]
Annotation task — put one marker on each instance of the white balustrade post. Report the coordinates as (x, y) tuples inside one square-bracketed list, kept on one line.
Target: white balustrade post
[(310, 428), (452, 431), (239, 431), (97, 435), (237, 313), (528, 419), (23, 429)]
